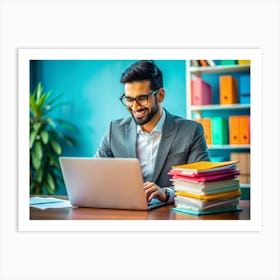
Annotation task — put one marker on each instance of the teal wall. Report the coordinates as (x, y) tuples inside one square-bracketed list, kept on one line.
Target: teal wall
[(90, 94)]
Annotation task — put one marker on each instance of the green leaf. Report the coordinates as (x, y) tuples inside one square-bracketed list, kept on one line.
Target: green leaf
[(53, 160), (40, 101), (56, 146), (50, 183), (44, 98), (37, 126), (67, 125), (33, 106), (35, 161), (38, 90), (50, 108), (32, 138), (40, 174), (52, 101), (49, 189), (51, 122), (45, 136), (32, 186), (38, 150), (69, 141)]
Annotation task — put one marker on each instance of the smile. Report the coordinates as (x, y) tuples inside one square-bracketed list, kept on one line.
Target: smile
[(139, 114)]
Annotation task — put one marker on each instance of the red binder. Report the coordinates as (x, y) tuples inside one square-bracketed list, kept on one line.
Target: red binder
[(201, 92), (228, 90)]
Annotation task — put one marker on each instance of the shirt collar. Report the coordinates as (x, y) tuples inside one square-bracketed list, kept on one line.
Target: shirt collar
[(158, 127)]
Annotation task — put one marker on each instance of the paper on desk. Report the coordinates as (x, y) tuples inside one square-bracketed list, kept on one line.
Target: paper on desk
[(48, 202)]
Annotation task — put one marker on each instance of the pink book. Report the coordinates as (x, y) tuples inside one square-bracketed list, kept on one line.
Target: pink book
[(201, 92), (206, 173), (208, 178)]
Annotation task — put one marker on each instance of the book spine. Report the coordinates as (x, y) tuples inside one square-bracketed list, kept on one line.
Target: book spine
[(228, 90), (219, 131)]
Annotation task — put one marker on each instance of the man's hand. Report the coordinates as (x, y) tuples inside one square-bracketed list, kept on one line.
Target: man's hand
[(154, 191)]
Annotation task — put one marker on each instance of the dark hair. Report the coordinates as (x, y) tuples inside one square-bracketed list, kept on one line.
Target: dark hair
[(143, 70)]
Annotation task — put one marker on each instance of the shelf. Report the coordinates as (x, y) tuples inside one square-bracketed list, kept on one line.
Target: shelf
[(228, 147), (219, 69), (244, 185), (219, 107)]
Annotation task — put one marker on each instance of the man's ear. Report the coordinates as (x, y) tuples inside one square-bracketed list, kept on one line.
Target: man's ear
[(161, 95)]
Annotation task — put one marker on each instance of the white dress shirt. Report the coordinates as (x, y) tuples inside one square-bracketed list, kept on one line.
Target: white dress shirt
[(146, 150)]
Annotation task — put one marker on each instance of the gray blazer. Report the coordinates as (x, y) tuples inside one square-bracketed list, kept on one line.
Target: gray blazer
[(182, 142)]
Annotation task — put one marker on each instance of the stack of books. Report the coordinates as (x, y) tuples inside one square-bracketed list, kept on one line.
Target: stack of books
[(206, 187)]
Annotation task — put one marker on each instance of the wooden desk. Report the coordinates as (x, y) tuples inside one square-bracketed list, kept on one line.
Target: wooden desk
[(162, 213)]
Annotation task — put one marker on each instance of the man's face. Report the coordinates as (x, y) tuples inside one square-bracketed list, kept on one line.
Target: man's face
[(141, 114)]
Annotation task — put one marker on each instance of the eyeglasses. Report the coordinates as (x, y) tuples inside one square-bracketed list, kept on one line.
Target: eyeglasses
[(141, 100)]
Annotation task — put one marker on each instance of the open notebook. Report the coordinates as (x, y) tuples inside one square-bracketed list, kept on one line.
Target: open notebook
[(114, 183)]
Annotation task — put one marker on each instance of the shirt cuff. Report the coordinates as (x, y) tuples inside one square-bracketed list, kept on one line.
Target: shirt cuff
[(172, 195)]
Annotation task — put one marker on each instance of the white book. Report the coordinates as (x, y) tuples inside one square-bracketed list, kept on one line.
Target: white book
[(206, 187), (200, 205)]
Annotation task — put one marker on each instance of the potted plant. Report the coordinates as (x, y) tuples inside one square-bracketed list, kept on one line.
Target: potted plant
[(47, 135)]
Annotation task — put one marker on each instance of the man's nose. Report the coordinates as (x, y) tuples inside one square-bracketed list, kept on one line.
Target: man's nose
[(135, 106)]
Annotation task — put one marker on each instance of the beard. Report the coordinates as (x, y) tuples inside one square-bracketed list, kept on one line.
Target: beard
[(141, 120)]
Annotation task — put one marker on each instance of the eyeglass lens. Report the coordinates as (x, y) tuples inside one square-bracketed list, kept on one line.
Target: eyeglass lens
[(141, 100)]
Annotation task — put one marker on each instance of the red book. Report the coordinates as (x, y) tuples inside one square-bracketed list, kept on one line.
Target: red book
[(209, 178)]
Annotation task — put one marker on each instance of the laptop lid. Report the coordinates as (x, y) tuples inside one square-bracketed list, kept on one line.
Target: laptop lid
[(114, 183)]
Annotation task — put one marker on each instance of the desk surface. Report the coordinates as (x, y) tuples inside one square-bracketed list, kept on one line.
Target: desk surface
[(162, 213)]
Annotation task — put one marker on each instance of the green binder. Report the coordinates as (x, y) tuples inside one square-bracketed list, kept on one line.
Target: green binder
[(228, 62), (219, 131)]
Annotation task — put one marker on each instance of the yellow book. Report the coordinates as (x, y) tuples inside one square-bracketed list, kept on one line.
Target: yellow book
[(204, 166), (244, 62), (210, 196)]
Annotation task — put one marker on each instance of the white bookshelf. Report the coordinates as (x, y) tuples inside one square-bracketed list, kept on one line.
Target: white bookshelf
[(219, 69), (219, 107), (194, 112), (229, 147)]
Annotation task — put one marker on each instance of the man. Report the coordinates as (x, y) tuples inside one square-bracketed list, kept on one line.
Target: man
[(158, 139)]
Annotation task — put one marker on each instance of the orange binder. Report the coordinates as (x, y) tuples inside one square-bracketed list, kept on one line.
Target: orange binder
[(203, 62), (206, 123), (244, 124), (228, 90), (234, 131), (239, 130)]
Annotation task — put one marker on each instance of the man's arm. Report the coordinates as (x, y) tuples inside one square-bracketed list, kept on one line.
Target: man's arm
[(104, 149), (199, 151)]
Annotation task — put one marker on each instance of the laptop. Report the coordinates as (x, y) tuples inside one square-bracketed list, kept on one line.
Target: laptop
[(114, 183)]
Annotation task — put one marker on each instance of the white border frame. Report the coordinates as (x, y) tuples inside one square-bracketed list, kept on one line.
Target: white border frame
[(24, 57)]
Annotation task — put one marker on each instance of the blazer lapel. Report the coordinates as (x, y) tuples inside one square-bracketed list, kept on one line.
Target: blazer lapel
[(167, 138), (130, 137)]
